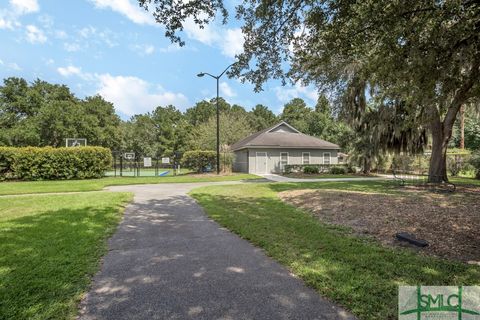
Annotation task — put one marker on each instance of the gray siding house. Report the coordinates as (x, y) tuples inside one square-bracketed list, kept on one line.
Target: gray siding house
[(269, 150)]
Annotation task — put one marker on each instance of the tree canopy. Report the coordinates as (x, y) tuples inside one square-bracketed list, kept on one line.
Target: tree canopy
[(415, 61), (41, 114), (44, 114)]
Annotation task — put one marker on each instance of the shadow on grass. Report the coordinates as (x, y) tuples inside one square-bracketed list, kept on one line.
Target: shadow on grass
[(46, 260), (355, 272)]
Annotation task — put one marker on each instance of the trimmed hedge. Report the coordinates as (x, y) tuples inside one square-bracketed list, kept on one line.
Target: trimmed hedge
[(47, 163), (310, 170), (199, 160), (322, 168), (338, 170)]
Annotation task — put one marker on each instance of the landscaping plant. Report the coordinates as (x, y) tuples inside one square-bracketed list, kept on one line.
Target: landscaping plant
[(199, 160), (47, 163)]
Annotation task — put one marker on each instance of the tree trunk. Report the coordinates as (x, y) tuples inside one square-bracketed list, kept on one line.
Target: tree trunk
[(441, 133), (367, 165), (462, 127)]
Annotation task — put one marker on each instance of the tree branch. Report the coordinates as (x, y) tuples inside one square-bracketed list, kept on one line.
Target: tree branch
[(462, 94)]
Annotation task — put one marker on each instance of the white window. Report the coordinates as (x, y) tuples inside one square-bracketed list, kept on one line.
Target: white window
[(326, 158), (305, 157), (283, 159)]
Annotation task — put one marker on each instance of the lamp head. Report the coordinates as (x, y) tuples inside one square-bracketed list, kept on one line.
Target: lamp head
[(201, 74)]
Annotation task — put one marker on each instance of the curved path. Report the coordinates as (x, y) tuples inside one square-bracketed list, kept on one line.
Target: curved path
[(168, 260)]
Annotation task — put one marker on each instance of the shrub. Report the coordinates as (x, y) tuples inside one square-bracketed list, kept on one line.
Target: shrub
[(199, 160), (310, 170), (226, 161), (475, 162), (458, 162), (350, 168), (47, 163), (287, 169), (6, 162), (321, 168), (338, 170)]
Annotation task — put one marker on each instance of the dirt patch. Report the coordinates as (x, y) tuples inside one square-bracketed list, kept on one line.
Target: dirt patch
[(449, 222)]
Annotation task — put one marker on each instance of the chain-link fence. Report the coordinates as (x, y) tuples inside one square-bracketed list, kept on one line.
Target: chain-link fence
[(130, 164)]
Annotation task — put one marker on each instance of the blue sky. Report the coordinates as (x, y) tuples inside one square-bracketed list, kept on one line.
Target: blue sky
[(114, 48)]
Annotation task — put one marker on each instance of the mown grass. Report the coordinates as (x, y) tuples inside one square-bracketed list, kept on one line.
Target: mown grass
[(25, 187), (465, 180), (50, 246), (357, 273)]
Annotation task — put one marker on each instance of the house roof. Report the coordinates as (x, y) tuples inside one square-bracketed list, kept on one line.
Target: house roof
[(282, 135)]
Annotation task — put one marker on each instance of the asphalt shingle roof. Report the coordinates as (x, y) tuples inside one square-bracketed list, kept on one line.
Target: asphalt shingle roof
[(266, 138)]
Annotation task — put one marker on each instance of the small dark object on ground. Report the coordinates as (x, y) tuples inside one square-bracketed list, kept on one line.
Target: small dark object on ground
[(404, 236)]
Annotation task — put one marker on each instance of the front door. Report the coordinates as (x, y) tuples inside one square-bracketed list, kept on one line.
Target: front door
[(261, 162)]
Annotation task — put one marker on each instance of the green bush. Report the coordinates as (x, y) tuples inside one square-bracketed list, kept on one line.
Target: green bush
[(199, 160), (475, 162), (6, 162), (47, 163), (319, 168), (338, 170), (226, 161), (310, 170)]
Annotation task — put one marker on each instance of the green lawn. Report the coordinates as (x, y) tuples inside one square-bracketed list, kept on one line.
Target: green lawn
[(464, 180), (50, 246), (9, 188), (354, 272)]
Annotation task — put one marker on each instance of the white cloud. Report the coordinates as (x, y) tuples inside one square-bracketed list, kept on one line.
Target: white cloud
[(72, 46), (9, 16), (90, 38), (171, 48), (35, 35), (14, 66), (10, 65), (5, 23), (226, 90), (232, 43), (25, 6), (128, 8), (69, 71), (87, 31), (285, 94), (208, 35), (129, 94), (149, 49), (61, 34), (143, 49), (132, 95)]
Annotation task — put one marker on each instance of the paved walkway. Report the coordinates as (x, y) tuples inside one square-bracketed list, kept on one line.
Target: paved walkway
[(278, 178), (167, 260)]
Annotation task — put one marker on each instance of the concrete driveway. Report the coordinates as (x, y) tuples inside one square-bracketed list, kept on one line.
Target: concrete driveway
[(168, 260)]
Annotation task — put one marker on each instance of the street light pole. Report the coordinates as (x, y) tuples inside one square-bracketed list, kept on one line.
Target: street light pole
[(218, 129), (201, 74)]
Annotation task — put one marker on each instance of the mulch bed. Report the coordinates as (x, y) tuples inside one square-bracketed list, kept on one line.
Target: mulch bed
[(449, 222)]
